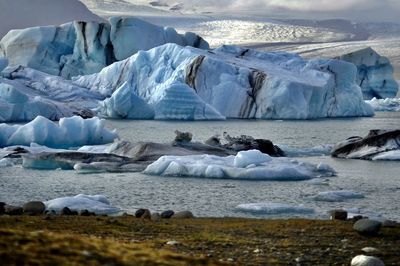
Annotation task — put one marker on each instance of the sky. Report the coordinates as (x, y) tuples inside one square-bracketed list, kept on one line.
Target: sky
[(384, 10)]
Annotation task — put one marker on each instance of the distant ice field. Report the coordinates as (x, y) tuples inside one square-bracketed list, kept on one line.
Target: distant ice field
[(378, 181)]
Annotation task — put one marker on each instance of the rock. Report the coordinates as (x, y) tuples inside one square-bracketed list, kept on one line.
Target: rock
[(34, 208), (67, 211), (367, 227), (172, 243), (390, 223), (2, 208), (371, 147), (183, 136), (13, 210), (370, 250), (155, 216), (167, 214), (183, 215), (356, 218), (84, 213), (139, 213), (362, 260), (146, 215), (338, 215)]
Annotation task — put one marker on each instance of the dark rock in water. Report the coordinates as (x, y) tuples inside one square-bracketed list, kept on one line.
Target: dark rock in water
[(34, 208), (183, 215), (67, 211), (183, 136), (245, 143), (167, 214), (367, 227), (338, 215), (13, 210), (375, 143), (2, 207)]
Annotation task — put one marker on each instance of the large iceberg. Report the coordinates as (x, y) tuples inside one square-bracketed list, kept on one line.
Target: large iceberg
[(98, 204), (247, 165), (69, 132), (229, 82), (385, 105), (374, 73), (26, 93), (80, 48)]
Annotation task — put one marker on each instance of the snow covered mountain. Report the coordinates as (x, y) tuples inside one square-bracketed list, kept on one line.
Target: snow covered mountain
[(20, 14)]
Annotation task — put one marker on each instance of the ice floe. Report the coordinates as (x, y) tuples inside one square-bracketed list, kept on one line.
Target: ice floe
[(232, 82), (274, 208), (98, 204), (385, 105), (338, 195), (69, 132), (247, 165)]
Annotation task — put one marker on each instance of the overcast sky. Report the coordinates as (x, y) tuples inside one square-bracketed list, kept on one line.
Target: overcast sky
[(358, 9)]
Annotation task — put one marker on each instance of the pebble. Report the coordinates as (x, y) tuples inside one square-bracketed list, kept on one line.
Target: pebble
[(167, 214), (338, 215), (34, 208), (362, 260), (13, 210), (367, 227), (183, 215)]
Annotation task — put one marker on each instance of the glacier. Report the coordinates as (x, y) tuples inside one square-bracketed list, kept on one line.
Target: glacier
[(69, 132), (246, 165), (79, 47), (98, 204), (229, 82), (374, 73)]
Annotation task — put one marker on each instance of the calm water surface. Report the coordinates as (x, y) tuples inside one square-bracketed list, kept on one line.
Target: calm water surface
[(378, 181)]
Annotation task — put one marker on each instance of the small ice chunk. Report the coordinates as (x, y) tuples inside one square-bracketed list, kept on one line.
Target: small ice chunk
[(98, 204), (246, 158), (274, 208), (338, 195)]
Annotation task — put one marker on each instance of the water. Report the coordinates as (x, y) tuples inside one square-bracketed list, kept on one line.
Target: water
[(378, 181)]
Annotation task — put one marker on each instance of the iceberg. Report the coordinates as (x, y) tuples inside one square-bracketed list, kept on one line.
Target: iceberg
[(246, 165), (230, 82), (98, 204), (273, 208), (338, 195), (81, 48), (385, 105), (69, 132), (3, 63), (374, 73), (377, 145)]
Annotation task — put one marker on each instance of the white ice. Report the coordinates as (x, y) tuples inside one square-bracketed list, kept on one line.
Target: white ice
[(246, 165), (69, 132), (274, 208), (98, 204), (233, 82), (338, 195), (305, 151), (385, 105), (388, 156)]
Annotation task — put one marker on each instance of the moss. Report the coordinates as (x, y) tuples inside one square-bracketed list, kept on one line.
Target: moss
[(131, 241)]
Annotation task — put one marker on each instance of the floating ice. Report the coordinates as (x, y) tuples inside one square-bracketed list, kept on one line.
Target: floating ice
[(3, 63), (98, 204), (6, 162), (69, 132), (248, 165), (306, 152), (80, 48), (375, 73), (273, 208), (338, 195), (388, 156), (385, 105), (232, 82)]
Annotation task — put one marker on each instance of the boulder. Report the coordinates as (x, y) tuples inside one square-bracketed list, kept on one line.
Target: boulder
[(143, 213), (155, 217), (13, 210), (167, 214), (367, 227), (34, 208), (183, 215), (362, 260), (338, 215)]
